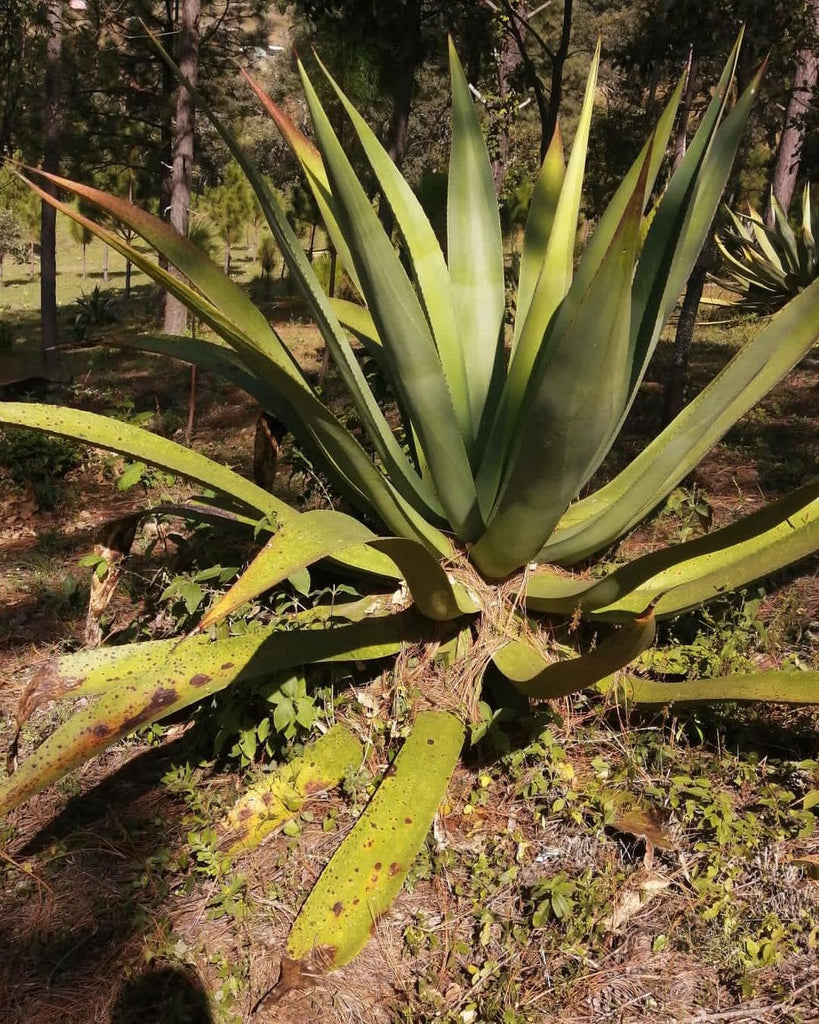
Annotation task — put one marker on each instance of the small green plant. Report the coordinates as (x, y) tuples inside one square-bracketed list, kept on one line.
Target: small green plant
[(93, 310), (28, 456), (769, 265)]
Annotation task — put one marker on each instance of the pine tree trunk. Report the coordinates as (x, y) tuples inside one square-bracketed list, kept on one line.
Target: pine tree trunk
[(51, 159), (789, 150), (507, 58), (559, 58), (677, 378), (396, 140), (176, 315)]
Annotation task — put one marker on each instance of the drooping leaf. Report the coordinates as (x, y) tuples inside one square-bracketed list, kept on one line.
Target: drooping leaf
[(155, 680), (784, 687), (527, 669), (343, 457), (279, 796), (135, 442), (685, 575), (320, 533), (366, 873)]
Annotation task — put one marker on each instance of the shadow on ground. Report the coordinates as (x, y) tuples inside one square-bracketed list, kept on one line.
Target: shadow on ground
[(89, 906)]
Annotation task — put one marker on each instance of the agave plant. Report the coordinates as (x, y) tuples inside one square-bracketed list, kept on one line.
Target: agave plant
[(768, 266), (471, 528)]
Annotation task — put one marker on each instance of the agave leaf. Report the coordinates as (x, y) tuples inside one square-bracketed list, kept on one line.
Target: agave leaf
[(125, 439), (474, 248), (103, 432), (213, 357), (685, 575), (358, 320), (539, 225), (279, 796), (434, 594), (96, 670), (554, 278), (695, 572), (596, 521), (365, 875), (807, 218), (320, 533), (682, 220), (785, 236), (561, 423), (786, 686), (678, 231), (313, 536), (757, 232), (428, 265), (156, 681), (556, 271), (645, 167), (221, 293), (404, 332), (311, 163), (406, 481), (535, 677), (343, 456)]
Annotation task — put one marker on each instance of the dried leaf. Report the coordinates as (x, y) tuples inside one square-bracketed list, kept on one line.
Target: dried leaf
[(645, 823)]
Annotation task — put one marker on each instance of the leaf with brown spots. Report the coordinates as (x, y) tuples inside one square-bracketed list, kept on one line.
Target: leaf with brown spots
[(355, 889), (280, 796), (127, 680)]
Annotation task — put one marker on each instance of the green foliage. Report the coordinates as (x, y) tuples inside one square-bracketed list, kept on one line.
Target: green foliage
[(770, 265), (229, 207), (93, 310), (266, 254), (27, 456), (481, 480), (11, 238)]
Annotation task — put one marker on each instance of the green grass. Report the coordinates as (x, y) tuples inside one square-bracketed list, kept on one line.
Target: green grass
[(20, 293)]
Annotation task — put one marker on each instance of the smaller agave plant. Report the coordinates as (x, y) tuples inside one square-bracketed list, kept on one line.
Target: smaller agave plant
[(472, 523), (768, 266)]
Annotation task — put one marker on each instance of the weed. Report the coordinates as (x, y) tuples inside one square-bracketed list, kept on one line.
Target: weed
[(27, 456)]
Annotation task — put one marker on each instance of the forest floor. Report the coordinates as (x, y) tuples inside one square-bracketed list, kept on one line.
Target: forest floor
[(587, 865)]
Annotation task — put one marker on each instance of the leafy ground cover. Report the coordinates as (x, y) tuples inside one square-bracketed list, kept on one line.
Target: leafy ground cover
[(604, 866)]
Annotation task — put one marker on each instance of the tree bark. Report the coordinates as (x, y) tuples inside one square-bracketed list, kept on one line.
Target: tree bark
[(176, 315), (519, 27), (789, 150), (51, 161), (677, 378), (689, 95), (396, 140), (559, 58)]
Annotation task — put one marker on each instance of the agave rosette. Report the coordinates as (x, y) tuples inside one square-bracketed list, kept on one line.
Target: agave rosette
[(479, 510), (768, 266)]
